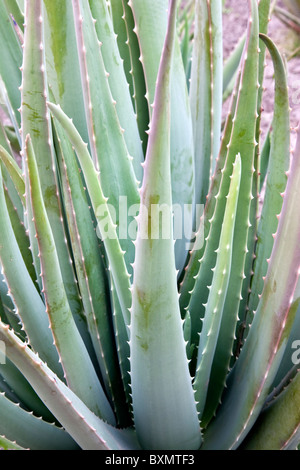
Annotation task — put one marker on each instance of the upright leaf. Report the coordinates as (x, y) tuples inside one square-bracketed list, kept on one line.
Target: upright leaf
[(106, 136), (78, 368), (239, 137), (91, 273), (27, 302), (182, 146), (276, 178), (217, 293), (63, 72), (129, 47), (118, 83), (107, 227), (10, 61), (36, 123), (251, 378), (159, 367), (206, 90)]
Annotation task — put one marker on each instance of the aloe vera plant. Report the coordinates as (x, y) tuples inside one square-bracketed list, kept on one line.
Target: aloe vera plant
[(130, 318)]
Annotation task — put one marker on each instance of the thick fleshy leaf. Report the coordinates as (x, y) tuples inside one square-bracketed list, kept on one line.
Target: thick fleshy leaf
[(239, 137), (14, 187), (253, 374), (20, 234), (26, 299), (276, 178), (159, 367), (128, 44), (278, 427), (182, 145), (39, 434), (206, 90), (106, 136), (36, 122), (89, 431), (78, 368), (10, 62), (13, 7), (106, 226), (63, 72), (14, 172), (24, 393), (118, 84), (291, 356), (217, 293), (91, 273), (8, 314), (263, 13), (6, 444)]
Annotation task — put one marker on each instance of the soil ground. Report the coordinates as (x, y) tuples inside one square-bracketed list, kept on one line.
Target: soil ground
[(287, 40)]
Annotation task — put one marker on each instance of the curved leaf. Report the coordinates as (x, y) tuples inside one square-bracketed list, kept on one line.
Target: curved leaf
[(39, 434), (278, 427), (254, 372), (27, 302), (276, 177), (78, 368), (111, 242), (89, 431)]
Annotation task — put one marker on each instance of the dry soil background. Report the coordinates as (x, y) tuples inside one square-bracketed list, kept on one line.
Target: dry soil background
[(234, 24)]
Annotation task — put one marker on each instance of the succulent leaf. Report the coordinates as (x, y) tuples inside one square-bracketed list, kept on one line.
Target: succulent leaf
[(36, 123), (26, 299), (214, 309), (206, 92), (90, 270), (23, 392), (106, 136), (161, 417), (6, 444), (63, 71), (77, 365), (118, 83), (90, 432), (110, 239), (246, 103), (15, 173), (149, 254), (128, 44), (13, 7), (276, 177), (182, 146), (10, 62), (249, 384), (39, 434), (278, 426)]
